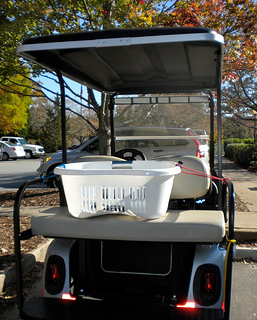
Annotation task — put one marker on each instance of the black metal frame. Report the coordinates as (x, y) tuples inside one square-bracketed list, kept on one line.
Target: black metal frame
[(27, 234), (225, 188)]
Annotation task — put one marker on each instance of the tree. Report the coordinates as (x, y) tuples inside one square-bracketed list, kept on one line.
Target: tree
[(25, 18), (14, 101), (20, 19), (235, 20), (235, 129), (51, 133), (240, 99)]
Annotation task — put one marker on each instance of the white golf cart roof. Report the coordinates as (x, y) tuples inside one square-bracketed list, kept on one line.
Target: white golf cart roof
[(127, 61)]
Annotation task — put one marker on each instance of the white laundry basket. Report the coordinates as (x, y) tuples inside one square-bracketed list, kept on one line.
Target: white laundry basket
[(139, 188)]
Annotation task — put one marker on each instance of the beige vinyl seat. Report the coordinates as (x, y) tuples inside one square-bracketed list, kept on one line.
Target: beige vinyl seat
[(95, 158), (199, 226)]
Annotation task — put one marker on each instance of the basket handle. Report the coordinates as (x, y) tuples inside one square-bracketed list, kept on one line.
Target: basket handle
[(122, 165)]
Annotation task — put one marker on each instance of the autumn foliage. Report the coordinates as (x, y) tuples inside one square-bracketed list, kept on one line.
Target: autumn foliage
[(236, 20), (22, 19), (14, 102)]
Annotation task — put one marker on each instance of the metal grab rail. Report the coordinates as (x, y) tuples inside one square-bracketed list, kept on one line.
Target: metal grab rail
[(27, 234), (18, 236), (229, 187), (228, 190)]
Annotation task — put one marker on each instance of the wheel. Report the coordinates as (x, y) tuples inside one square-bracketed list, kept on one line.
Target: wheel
[(51, 184), (5, 156), (129, 154), (28, 154), (14, 159)]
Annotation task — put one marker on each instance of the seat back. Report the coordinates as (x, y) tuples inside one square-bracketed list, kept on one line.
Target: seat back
[(94, 158), (188, 186)]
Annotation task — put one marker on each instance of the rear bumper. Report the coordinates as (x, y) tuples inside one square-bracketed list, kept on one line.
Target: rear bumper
[(55, 309), (38, 153)]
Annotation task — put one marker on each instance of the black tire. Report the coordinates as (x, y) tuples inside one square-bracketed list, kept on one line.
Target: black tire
[(14, 159), (5, 156), (51, 184), (28, 154)]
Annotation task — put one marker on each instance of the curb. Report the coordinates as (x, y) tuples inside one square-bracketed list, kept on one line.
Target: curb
[(8, 277), (245, 253)]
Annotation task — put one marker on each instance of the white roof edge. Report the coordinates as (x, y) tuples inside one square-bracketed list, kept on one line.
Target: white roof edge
[(125, 41)]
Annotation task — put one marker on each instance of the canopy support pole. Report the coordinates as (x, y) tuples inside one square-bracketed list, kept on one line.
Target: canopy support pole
[(211, 106), (63, 117), (111, 106), (219, 127)]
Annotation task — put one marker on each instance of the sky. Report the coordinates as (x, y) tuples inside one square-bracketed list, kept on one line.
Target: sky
[(76, 87)]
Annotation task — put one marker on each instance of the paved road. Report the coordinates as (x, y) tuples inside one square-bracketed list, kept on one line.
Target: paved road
[(14, 173), (244, 291), (243, 302)]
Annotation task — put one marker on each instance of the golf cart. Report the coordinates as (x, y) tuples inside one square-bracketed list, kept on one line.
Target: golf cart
[(135, 239)]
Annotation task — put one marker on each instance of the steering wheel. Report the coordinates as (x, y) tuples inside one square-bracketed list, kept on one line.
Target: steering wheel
[(129, 154)]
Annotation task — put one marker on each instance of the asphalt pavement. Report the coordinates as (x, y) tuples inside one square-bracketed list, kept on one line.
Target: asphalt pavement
[(14, 173)]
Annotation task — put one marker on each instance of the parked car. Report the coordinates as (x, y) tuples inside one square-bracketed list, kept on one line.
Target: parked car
[(157, 141), (162, 141), (1, 153), (202, 133), (31, 150), (49, 162), (11, 151)]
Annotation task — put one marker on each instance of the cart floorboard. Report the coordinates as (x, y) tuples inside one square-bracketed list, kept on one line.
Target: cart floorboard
[(55, 309)]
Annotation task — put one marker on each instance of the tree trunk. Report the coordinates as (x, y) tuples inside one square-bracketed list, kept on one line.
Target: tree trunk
[(104, 131)]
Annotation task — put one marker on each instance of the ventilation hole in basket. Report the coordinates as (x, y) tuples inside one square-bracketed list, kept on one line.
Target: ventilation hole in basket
[(113, 199), (137, 199), (88, 194)]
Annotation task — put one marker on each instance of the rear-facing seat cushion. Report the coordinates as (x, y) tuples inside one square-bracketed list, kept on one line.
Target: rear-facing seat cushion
[(206, 226), (95, 158)]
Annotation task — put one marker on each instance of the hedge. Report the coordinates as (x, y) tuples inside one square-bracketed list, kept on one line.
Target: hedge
[(237, 140), (243, 153)]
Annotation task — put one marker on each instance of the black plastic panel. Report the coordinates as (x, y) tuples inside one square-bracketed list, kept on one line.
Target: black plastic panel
[(136, 257), (102, 272)]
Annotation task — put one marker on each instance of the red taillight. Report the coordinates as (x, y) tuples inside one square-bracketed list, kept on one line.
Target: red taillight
[(207, 285), (55, 271), (188, 304), (199, 153), (55, 274), (14, 148), (209, 282)]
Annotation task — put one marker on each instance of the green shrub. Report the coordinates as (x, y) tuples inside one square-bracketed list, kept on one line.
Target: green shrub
[(237, 140), (244, 154)]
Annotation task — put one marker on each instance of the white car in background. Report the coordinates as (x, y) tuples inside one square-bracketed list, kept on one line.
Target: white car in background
[(31, 150), (153, 142), (11, 151)]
